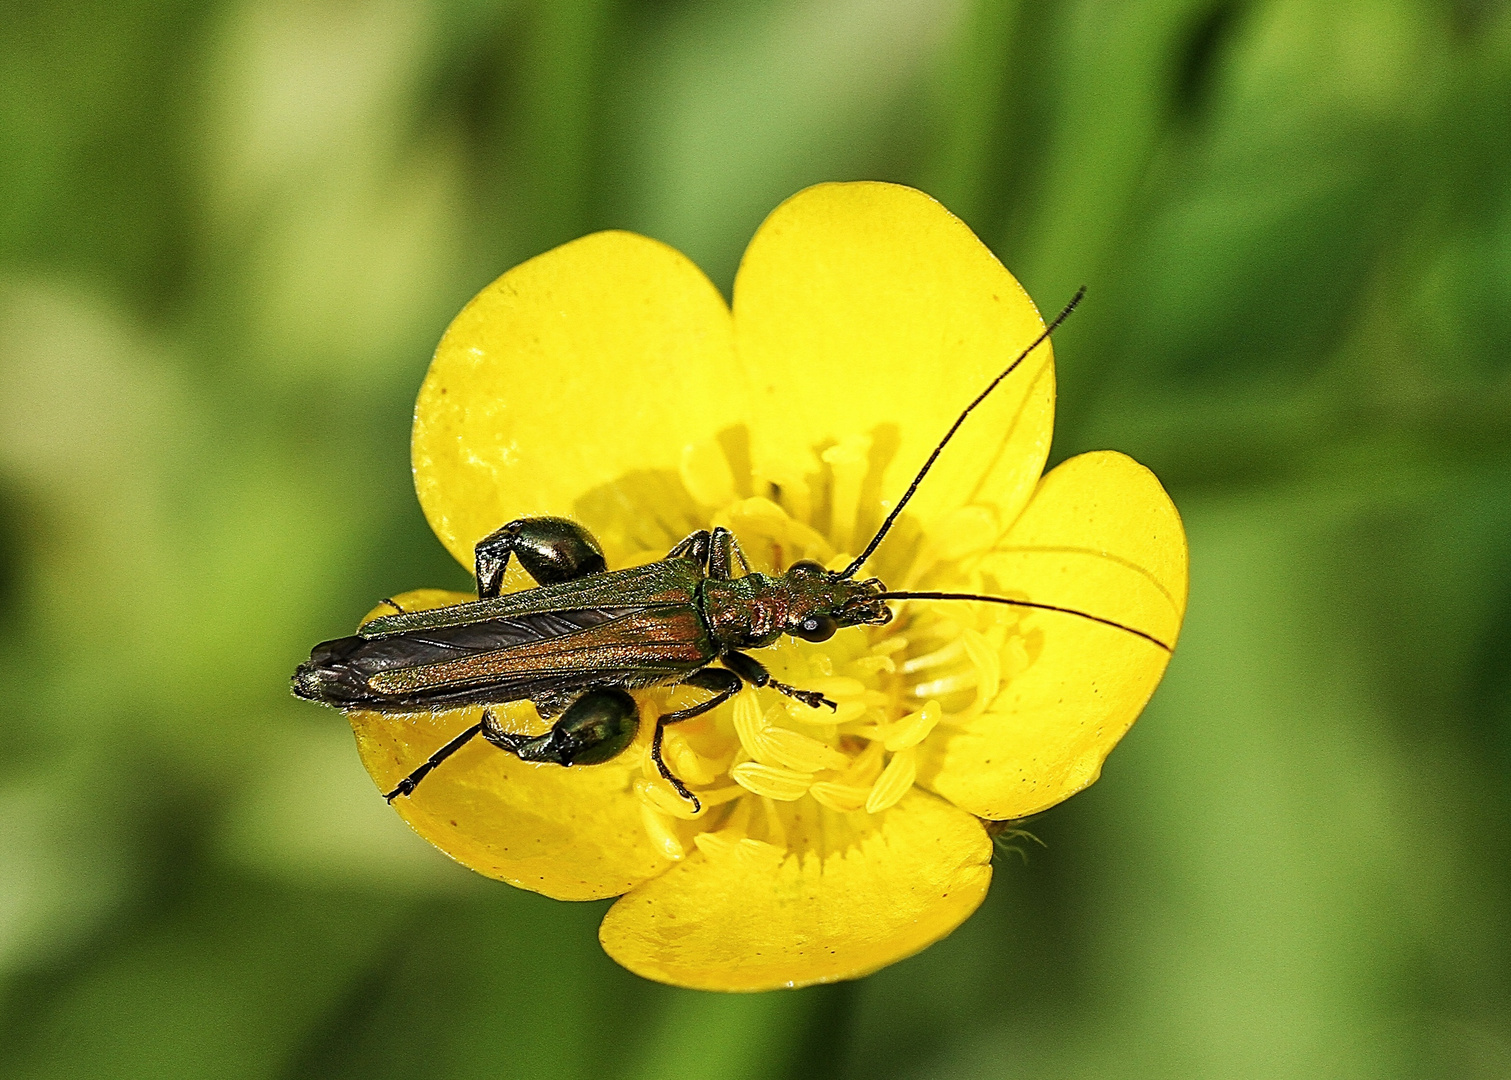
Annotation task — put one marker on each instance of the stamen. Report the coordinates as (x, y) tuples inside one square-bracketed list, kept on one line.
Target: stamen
[(988, 664), (825, 717), (950, 684), (848, 460), (913, 728), (772, 781), (796, 751), (865, 768), (749, 723), (894, 782), (659, 796), (890, 685), (690, 766), (938, 658), (846, 798), (873, 665), (659, 828), (790, 480)]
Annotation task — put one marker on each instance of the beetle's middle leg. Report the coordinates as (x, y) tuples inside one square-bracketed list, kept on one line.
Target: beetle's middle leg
[(725, 685)]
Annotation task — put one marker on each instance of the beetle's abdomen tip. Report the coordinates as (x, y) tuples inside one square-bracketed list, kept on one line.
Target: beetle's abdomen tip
[(328, 677)]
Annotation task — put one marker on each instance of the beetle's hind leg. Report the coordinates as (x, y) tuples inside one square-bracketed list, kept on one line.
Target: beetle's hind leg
[(551, 549), (725, 685), (595, 728), (409, 783)]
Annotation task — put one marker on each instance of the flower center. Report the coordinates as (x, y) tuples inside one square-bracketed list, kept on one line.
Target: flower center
[(760, 763)]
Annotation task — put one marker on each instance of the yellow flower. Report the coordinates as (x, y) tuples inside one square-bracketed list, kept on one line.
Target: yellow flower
[(608, 381)]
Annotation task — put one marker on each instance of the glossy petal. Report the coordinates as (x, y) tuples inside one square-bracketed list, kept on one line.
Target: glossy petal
[(573, 834), (851, 894), (869, 308), (1102, 537), (571, 385)]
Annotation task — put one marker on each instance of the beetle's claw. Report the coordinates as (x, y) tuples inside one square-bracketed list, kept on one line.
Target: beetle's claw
[(406, 786)]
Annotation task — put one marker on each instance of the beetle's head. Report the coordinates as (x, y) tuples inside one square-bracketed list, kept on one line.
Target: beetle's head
[(822, 601)]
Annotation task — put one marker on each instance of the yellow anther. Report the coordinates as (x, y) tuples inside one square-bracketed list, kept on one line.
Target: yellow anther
[(950, 684), (938, 658), (873, 665), (890, 645), (658, 795), (894, 781), (823, 716), (838, 687), (686, 763), (913, 728), (788, 478), (846, 798), (796, 751), (749, 723), (772, 781), (711, 797), (716, 845), (662, 834), (864, 768), (848, 461)]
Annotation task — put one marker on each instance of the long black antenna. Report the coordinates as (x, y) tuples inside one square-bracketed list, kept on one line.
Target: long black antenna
[(1022, 603), (948, 435)]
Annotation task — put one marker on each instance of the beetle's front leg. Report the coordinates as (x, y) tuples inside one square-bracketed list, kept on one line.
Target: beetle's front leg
[(754, 672), (694, 546), (551, 549), (725, 685), (723, 552)]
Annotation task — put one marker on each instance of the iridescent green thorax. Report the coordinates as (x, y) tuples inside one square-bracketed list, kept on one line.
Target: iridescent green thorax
[(753, 611)]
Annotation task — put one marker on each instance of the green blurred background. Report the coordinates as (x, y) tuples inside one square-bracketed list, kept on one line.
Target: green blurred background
[(230, 234)]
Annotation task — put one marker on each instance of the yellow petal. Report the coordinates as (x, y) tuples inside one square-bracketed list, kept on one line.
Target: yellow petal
[(851, 894), (573, 834), (1101, 537), (574, 385), (869, 309)]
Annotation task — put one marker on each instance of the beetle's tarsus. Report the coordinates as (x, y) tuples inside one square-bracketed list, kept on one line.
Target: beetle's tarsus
[(666, 773), (811, 698)]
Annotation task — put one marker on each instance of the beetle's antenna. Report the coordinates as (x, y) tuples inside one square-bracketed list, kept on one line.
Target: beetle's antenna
[(1023, 604), (948, 435)]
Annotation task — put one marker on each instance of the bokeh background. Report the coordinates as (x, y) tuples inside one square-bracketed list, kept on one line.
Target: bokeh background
[(230, 234)]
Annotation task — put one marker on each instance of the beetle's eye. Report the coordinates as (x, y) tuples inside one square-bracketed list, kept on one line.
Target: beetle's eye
[(805, 566), (816, 628)]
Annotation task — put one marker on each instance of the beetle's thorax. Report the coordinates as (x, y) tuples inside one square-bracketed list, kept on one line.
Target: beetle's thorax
[(751, 612), (746, 612)]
